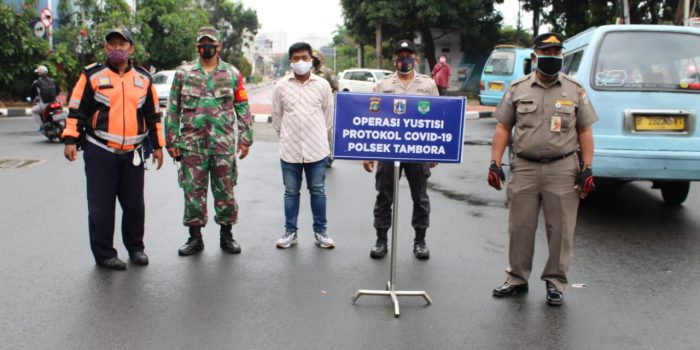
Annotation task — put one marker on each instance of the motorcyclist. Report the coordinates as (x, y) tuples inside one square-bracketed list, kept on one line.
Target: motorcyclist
[(44, 91)]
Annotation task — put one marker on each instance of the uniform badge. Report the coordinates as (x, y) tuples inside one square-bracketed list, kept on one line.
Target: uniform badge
[(374, 104), (104, 82), (555, 124), (399, 105), (138, 82), (423, 107)]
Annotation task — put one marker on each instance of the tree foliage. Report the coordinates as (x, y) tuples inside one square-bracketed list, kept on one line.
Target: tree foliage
[(20, 50), (474, 20), (164, 33)]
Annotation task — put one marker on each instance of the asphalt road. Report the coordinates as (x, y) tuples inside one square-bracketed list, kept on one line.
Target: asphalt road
[(638, 260)]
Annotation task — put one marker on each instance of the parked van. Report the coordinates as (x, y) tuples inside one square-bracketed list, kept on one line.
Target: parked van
[(505, 64), (644, 84)]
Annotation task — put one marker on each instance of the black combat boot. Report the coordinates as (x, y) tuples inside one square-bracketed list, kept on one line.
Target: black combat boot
[(228, 244), (380, 248), (194, 243), (420, 249)]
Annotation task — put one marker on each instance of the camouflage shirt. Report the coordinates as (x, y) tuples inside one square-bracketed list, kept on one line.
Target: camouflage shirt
[(204, 108)]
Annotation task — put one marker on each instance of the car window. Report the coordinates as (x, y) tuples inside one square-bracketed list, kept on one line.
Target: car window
[(625, 61), (381, 74), (160, 79), (572, 62), (500, 63)]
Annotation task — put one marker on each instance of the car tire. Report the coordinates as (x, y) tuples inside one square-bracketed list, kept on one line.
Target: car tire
[(674, 192)]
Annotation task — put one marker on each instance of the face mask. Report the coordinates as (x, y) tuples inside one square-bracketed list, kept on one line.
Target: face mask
[(207, 51), (549, 65), (117, 57), (404, 64), (301, 67), (443, 60)]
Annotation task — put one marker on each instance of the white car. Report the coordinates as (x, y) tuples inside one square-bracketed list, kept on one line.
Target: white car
[(360, 79), (162, 81)]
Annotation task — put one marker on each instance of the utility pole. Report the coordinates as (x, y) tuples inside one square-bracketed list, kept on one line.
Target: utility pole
[(686, 12), (519, 25), (626, 11)]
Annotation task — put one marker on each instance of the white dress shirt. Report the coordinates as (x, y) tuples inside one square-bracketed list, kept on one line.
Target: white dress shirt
[(302, 115)]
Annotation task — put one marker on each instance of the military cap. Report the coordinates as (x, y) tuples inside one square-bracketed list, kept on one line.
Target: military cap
[(122, 32), (547, 40), (208, 32), (405, 45)]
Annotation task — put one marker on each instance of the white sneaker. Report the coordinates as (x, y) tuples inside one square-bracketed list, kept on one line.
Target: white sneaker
[(288, 239), (323, 241)]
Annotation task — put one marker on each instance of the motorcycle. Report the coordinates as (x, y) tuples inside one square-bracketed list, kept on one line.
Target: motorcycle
[(53, 121)]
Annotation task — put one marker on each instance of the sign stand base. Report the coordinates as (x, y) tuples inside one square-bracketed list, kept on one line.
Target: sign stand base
[(391, 284)]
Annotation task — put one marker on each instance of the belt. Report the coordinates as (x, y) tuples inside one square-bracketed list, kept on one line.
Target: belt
[(547, 160), (109, 149)]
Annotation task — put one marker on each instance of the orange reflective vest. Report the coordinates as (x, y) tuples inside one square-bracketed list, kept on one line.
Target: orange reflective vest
[(117, 111)]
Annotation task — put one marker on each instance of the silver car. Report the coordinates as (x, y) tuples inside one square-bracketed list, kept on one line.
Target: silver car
[(162, 81)]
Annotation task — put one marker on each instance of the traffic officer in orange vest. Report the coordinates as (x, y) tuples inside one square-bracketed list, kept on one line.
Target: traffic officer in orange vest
[(551, 117), (113, 109)]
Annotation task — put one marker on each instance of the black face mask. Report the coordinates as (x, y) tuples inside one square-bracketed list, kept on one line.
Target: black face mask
[(549, 65), (404, 64), (207, 51)]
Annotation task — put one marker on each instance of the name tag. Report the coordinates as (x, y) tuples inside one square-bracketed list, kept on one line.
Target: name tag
[(138, 82), (560, 103), (555, 125)]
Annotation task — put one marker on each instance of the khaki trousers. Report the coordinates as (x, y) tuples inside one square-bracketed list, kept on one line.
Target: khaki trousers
[(551, 187)]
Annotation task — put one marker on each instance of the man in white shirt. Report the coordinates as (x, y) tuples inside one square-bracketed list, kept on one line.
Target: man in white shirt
[(302, 115)]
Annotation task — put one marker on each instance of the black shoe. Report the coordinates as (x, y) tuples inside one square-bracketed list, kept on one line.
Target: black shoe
[(509, 290), (421, 251), (139, 258), (230, 245), (554, 297), (379, 250), (193, 245), (113, 264)]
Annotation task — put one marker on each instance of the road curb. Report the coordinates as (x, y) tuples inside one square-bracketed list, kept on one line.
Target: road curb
[(262, 118), (15, 112)]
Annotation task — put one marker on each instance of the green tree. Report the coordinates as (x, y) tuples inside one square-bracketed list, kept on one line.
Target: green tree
[(20, 50), (236, 24)]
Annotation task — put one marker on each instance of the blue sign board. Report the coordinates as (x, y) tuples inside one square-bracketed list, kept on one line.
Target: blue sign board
[(404, 128)]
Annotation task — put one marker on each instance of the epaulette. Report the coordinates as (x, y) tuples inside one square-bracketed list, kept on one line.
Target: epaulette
[(520, 80), (92, 66), (142, 70), (571, 79)]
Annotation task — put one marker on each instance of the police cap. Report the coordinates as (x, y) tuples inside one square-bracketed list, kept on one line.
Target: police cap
[(405, 45), (547, 40)]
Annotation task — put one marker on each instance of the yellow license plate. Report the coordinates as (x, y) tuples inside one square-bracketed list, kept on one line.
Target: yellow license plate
[(496, 86), (659, 123)]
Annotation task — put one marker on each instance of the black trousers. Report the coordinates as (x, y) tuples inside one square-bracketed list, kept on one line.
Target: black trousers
[(417, 175), (110, 177), (442, 90)]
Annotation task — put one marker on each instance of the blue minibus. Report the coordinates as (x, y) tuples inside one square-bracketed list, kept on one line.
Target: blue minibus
[(644, 84), (505, 64)]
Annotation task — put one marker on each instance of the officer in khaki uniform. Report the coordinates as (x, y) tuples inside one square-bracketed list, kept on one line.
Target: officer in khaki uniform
[(404, 81), (551, 117)]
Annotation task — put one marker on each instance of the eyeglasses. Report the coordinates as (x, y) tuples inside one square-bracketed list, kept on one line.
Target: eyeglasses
[(304, 58)]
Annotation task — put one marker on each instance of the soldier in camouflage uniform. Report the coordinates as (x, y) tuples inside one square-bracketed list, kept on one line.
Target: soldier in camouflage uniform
[(207, 98)]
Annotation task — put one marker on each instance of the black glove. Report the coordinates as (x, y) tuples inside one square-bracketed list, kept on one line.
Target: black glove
[(496, 175), (584, 180)]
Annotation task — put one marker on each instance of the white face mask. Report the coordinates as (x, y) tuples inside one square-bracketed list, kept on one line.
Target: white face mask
[(301, 67)]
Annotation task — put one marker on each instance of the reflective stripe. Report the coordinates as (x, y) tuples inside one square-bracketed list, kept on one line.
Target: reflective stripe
[(142, 100), (109, 149), (102, 98), (130, 140)]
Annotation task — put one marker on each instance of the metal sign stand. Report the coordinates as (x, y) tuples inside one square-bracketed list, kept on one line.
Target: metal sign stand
[(391, 284)]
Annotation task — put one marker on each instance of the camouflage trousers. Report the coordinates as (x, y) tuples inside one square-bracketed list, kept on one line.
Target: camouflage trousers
[(194, 174)]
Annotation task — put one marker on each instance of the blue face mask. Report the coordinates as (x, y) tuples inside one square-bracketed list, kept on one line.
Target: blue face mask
[(549, 65), (404, 64)]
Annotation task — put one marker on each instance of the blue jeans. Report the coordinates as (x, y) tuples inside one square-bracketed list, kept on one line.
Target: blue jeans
[(316, 183)]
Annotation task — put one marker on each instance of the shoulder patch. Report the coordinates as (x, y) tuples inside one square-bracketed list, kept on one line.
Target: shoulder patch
[(520, 80), (571, 79), (93, 66)]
